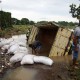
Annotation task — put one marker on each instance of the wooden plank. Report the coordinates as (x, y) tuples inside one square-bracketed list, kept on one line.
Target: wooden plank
[(33, 34), (55, 51), (60, 43), (64, 32)]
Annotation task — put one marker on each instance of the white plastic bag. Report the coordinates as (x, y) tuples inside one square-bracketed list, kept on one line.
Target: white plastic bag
[(43, 60), (27, 59), (16, 58)]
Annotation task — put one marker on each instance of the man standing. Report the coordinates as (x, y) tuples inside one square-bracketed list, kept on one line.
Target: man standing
[(75, 46)]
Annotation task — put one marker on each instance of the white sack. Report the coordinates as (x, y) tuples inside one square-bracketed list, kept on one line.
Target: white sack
[(19, 42), (23, 44), (27, 59), (15, 37), (23, 36), (16, 58), (5, 41), (5, 47), (43, 60), (13, 48), (9, 40), (21, 51), (1, 44), (23, 48), (12, 43)]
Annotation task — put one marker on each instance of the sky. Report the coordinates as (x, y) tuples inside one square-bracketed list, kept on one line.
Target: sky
[(40, 10)]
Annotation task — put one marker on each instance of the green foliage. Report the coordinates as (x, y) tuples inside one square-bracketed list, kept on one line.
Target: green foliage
[(15, 30), (5, 19), (31, 22), (75, 11), (63, 23), (24, 21), (15, 21), (66, 24), (22, 28)]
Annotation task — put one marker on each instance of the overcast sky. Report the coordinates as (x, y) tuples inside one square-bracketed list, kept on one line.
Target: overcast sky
[(39, 10)]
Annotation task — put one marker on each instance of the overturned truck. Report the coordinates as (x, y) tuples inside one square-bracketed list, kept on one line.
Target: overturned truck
[(54, 39)]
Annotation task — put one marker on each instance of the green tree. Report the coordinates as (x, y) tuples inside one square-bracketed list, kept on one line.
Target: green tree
[(31, 22), (63, 23), (24, 21), (15, 21), (75, 11), (71, 24), (5, 19)]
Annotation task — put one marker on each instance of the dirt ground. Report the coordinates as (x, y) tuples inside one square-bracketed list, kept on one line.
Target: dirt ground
[(58, 71)]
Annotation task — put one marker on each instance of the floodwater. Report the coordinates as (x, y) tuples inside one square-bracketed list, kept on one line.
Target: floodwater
[(66, 59), (20, 73), (30, 73)]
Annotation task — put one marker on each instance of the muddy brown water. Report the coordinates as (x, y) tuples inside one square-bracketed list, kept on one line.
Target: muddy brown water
[(20, 73), (40, 71)]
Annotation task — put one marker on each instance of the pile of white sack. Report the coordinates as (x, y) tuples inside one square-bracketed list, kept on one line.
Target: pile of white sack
[(17, 45)]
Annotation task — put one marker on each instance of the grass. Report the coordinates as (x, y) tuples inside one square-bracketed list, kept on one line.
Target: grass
[(15, 30)]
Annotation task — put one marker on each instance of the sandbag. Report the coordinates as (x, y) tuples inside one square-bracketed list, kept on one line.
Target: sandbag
[(13, 43), (23, 36), (43, 60), (9, 40), (23, 44), (15, 37), (5, 47), (13, 48), (21, 51), (5, 41), (27, 59), (16, 58), (1, 44), (23, 48)]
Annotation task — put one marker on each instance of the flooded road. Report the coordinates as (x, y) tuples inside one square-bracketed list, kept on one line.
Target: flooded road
[(20, 73), (40, 71)]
